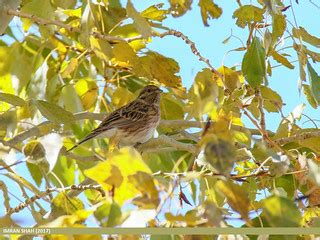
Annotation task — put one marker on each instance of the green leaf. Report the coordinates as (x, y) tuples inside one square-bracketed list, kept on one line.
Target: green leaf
[(12, 99), (141, 23), (281, 212), (314, 79), (209, 10), (307, 91), (171, 108), (35, 173), (108, 214), (54, 112), (247, 14), (253, 64), (65, 170), (278, 26), (307, 37)]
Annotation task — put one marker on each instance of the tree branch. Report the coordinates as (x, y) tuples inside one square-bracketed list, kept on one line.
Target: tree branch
[(42, 195), (44, 22)]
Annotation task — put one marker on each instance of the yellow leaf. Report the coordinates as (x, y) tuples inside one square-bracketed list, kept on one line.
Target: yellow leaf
[(278, 25), (281, 59), (73, 64), (128, 161), (237, 198), (307, 37), (101, 48), (232, 79), (121, 96), (209, 10), (247, 14), (141, 23), (155, 13), (87, 90)]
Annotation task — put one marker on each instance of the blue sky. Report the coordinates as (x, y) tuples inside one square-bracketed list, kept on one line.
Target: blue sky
[(209, 42)]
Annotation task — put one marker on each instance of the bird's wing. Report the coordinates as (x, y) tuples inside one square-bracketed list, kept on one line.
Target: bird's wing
[(125, 116)]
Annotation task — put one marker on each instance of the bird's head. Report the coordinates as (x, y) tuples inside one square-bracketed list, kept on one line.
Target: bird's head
[(150, 94)]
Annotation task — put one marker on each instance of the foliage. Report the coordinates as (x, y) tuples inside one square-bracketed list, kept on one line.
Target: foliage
[(93, 56)]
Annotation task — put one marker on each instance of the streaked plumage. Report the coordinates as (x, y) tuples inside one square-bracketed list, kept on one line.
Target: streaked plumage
[(133, 123)]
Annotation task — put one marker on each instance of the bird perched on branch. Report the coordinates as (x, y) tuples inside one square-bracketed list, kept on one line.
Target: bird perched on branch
[(133, 123)]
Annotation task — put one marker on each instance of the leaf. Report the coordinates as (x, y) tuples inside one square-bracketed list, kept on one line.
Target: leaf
[(314, 171), (87, 90), (281, 59), (108, 214), (278, 26), (141, 23), (155, 13), (64, 205), (179, 7), (65, 170), (237, 198), (54, 113), (12, 99), (253, 63), (272, 100), (39, 8), (307, 37), (314, 79), (115, 172), (101, 48), (247, 14), (232, 79), (164, 71), (34, 149), (209, 10), (281, 212), (307, 92), (171, 108), (73, 64)]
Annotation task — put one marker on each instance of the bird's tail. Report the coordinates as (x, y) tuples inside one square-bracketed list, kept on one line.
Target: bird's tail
[(87, 138)]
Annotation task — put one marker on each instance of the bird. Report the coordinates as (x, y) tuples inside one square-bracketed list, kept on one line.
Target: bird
[(132, 124)]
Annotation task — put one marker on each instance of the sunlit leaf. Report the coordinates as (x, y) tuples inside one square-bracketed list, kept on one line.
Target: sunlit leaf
[(281, 59), (278, 26), (237, 198), (272, 100), (155, 12), (209, 10), (179, 7), (87, 90), (64, 205), (307, 37), (247, 14), (141, 23), (115, 172)]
